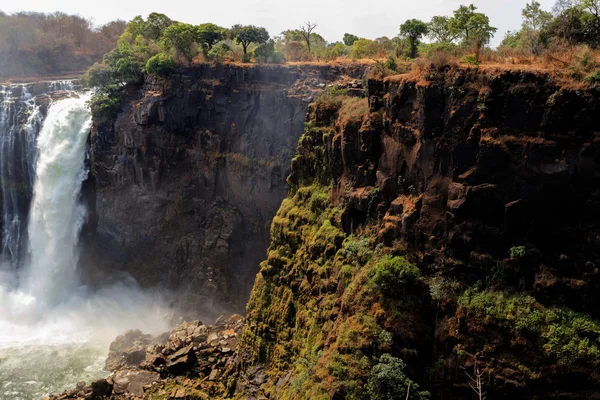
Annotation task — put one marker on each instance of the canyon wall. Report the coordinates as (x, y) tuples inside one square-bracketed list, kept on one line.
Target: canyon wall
[(449, 224), (439, 233), (189, 175)]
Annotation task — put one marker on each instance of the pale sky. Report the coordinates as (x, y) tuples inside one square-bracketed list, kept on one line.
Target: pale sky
[(364, 18)]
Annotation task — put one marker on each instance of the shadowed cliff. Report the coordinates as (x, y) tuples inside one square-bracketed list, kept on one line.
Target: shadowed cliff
[(190, 174)]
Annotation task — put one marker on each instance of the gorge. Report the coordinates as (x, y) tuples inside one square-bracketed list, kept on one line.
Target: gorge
[(430, 222)]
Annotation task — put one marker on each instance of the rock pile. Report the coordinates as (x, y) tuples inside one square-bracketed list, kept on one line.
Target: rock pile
[(146, 366)]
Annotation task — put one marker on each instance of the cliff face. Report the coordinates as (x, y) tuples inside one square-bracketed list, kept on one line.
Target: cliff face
[(191, 172), (452, 222)]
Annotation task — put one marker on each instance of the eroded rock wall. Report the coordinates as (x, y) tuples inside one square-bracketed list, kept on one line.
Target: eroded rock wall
[(189, 175)]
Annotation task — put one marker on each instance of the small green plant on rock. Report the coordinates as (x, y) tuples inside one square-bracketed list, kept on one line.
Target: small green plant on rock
[(593, 78), (516, 252), (388, 381)]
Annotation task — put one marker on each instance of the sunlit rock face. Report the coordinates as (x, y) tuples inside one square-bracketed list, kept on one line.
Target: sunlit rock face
[(190, 174)]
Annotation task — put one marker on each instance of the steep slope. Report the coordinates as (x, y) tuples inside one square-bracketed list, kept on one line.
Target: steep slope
[(450, 224), (189, 175)]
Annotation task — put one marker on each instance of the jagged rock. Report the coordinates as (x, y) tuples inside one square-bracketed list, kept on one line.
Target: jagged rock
[(128, 349), (182, 360), (101, 388), (133, 381)]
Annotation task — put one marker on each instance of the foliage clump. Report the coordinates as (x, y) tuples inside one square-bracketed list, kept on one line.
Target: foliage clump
[(161, 65), (392, 275), (565, 336), (388, 381)]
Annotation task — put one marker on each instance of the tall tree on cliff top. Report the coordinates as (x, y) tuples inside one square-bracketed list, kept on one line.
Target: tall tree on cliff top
[(472, 27), (306, 31), (156, 24), (349, 39), (440, 31), (246, 34), (534, 18), (413, 30), (181, 37), (209, 34)]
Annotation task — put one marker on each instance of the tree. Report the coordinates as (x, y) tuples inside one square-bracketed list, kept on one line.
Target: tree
[(511, 39), (414, 30), (155, 25), (209, 34), (592, 7), (534, 17), (476, 379), (459, 23), (349, 39), (562, 5), (439, 29), (182, 38), (306, 31), (389, 382), (474, 28), (246, 34)]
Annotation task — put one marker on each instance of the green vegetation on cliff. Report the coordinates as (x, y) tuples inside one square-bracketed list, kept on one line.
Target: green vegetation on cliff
[(354, 301)]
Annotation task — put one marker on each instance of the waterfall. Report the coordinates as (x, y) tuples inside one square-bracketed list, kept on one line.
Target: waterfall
[(17, 155), (53, 331), (20, 121), (56, 217)]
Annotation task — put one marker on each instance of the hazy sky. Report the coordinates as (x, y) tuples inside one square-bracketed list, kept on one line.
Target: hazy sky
[(365, 18)]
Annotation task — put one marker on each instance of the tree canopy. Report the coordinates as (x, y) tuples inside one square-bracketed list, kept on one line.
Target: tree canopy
[(247, 34), (182, 37), (413, 30), (349, 39)]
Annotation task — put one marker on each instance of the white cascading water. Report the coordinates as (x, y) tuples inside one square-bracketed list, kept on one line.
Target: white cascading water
[(53, 332), (56, 217)]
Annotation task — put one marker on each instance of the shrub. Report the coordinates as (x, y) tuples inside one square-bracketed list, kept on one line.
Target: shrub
[(470, 59), (436, 60), (391, 64), (354, 109), (247, 58), (99, 75), (593, 78), (105, 106), (566, 336), (516, 252), (265, 53), (219, 53), (160, 65), (388, 381), (391, 276)]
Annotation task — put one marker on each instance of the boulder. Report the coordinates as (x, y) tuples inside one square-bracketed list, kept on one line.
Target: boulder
[(133, 381)]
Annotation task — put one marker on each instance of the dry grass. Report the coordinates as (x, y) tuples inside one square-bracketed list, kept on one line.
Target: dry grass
[(353, 109)]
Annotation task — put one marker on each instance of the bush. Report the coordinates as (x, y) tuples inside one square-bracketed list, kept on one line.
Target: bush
[(437, 60), (160, 65), (247, 58), (99, 75), (219, 53), (517, 252), (391, 276), (568, 337), (105, 106), (470, 59), (593, 78), (391, 64), (265, 53), (388, 381)]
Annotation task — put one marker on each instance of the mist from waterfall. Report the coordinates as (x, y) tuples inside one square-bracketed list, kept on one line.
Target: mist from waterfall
[(54, 332)]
